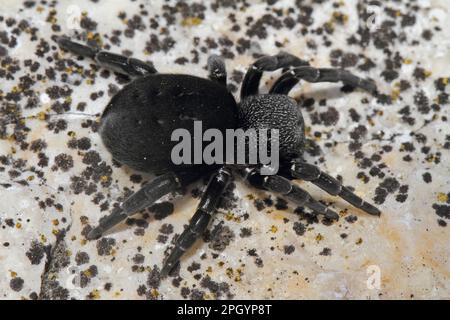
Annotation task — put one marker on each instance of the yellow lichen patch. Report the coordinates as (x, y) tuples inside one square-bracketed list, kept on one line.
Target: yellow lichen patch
[(340, 17), (42, 115), (407, 61), (359, 241), (209, 269), (191, 21), (445, 81), (273, 229), (229, 216), (18, 225), (55, 222), (43, 238), (30, 178), (395, 94), (13, 274), (329, 26), (87, 273), (427, 73), (154, 293), (94, 294), (238, 276), (55, 232), (442, 197), (229, 272), (104, 178), (319, 237)]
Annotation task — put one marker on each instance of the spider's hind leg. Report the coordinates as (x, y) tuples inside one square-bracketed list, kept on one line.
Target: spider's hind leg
[(139, 200), (200, 220), (309, 172), (128, 66), (290, 78)]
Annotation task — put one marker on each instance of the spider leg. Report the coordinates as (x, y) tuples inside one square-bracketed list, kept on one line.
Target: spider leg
[(128, 66), (139, 200), (290, 78), (287, 189), (217, 69), (309, 172), (200, 220), (250, 84)]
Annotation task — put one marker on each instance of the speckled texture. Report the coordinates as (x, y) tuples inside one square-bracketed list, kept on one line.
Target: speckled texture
[(57, 179)]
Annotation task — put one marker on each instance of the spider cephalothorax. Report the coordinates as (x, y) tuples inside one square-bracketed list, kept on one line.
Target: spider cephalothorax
[(137, 124)]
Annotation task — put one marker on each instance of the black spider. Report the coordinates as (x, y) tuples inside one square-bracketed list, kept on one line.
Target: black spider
[(137, 123)]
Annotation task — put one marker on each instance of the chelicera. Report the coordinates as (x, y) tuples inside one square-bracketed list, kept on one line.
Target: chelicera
[(137, 123)]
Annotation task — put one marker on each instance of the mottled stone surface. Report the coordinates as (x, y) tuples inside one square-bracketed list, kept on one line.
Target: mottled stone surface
[(57, 179)]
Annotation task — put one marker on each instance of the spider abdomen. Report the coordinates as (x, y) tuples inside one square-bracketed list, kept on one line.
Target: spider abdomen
[(137, 124), (275, 111)]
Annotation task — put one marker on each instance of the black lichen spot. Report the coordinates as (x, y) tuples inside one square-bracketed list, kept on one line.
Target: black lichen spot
[(259, 204), (281, 204), (245, 232), (217, 289), (105, 246), (325, 252), (351, 219), (36, 252), (136, 178), (166, 228), (299, 228), (197, 294), (154, 278), (442, 211), (427, 177), (84, 143), (162, 209), (221, 237), (81, 258), (193, 267), (330, 117), (442, 223), (63, 161), (389, 185), (289, 249), (16, 284), (91, 158), (138, 258)]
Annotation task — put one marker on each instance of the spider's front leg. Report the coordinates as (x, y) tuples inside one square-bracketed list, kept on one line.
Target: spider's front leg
[(290, 78), (128, 66), (139, 200), (283, 60), (308, 172), (200, 220), (286, 188)]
